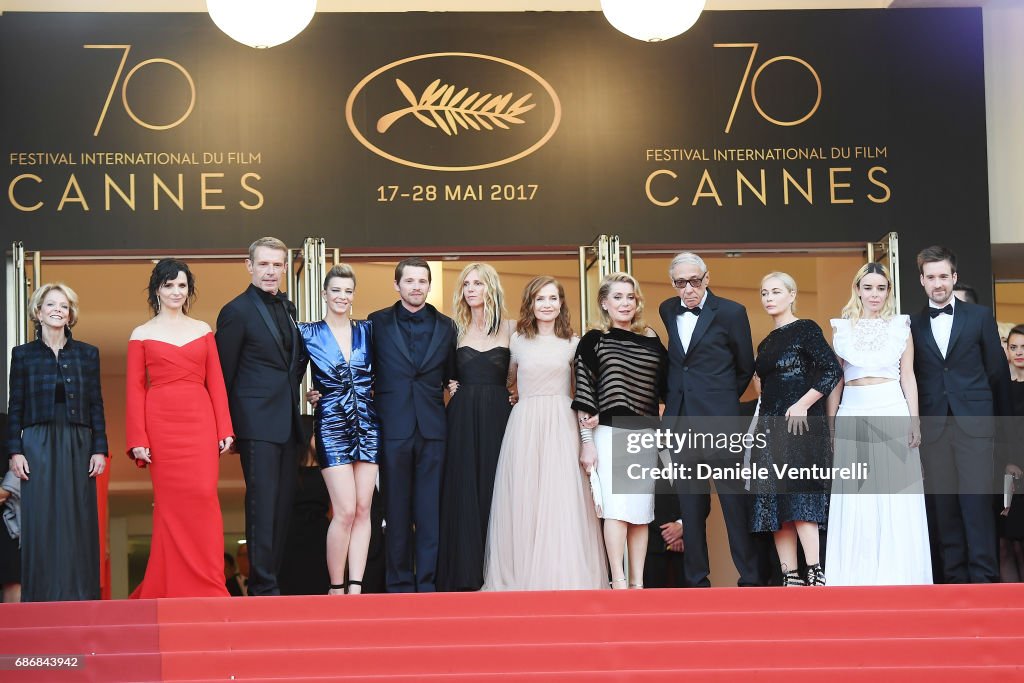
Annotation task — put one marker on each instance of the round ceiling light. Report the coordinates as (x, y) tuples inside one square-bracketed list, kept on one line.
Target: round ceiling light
[(652, 20), (261, 23)]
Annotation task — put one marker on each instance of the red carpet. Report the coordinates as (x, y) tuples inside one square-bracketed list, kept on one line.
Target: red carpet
[(934, 633)]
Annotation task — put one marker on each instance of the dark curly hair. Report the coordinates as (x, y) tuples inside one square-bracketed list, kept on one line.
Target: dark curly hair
[(164, 271)]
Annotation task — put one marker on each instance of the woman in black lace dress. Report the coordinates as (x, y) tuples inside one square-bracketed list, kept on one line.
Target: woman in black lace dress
[(477, 413), (797, 369)]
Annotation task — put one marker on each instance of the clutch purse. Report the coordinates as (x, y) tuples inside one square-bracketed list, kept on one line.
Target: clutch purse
[(595, 491)]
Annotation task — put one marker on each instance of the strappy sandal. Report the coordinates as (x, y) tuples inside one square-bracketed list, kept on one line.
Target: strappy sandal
[(815, 575)]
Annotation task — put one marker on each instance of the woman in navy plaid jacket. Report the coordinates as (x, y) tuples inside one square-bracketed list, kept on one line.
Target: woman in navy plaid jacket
[(57, 443)]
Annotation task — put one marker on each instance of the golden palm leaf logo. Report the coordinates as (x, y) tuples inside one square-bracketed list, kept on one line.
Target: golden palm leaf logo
[(440, 106)]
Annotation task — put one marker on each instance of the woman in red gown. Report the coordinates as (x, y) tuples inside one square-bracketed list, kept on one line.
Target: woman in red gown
[(177, 424)]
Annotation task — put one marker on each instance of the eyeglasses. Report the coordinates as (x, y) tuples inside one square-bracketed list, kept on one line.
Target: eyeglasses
[(694, 282)]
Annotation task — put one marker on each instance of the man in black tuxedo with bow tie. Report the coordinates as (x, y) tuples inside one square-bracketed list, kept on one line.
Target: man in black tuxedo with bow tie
[(263, 359), (711, 361), (414, 352), (963, 383)]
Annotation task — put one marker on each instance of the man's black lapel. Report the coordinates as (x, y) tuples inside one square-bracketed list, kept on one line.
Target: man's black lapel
[(924, 327), (261, 308), (707, 315), (672, 327), (395, 333)]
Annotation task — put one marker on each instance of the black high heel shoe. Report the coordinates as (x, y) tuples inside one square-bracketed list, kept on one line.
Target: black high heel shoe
[(353, 582), (338, 587), (793, 578)]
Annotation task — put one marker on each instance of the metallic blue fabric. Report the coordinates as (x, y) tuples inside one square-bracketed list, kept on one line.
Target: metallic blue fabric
[(346, 424)]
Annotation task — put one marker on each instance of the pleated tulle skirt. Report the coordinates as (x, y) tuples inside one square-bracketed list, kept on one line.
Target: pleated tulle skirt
[(877, 529), (544, 533)]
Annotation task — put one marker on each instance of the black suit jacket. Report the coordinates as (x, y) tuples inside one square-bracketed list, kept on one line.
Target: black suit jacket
[(406, 394), (973, 380), (709, 378), (262, 380)]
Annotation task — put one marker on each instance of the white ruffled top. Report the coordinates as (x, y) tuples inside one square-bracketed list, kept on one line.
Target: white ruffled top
[(872, 347)]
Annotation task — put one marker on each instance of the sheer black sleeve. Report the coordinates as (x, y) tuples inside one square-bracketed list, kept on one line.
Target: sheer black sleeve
[(586, 371), (823, 358)]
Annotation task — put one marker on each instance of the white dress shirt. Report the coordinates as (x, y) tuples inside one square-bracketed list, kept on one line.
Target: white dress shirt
[(685, 323), (942, 325)]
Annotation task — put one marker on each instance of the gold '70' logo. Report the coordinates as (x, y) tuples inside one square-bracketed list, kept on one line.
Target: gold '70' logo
[(753, 86), (124, 88)]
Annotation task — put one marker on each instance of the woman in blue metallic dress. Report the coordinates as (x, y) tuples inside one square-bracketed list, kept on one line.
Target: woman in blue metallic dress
[(346, 427)]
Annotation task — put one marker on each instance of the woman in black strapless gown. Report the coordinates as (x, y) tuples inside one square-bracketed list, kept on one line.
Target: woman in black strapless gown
[(477, 413)]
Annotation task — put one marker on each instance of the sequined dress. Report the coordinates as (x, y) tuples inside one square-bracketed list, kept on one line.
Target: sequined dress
[(345, 419), (790, 360)]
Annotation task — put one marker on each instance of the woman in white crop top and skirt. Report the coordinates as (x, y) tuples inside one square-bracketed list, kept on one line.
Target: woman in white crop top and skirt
[(877, 528)]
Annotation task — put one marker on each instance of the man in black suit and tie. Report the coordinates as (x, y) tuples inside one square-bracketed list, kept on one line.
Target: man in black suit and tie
[(414, 349), (961, 374), (711, 361), (264, 358)]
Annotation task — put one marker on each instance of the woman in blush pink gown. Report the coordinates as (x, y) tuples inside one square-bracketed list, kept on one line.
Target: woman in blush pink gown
[(543, 532)]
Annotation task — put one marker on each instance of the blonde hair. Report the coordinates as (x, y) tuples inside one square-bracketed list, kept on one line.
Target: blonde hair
[(605, 323), (494, 300), (269, 243), (527, 323), (1004, 331), (854, 308), (787, 281), (36, 303), (340, 270)]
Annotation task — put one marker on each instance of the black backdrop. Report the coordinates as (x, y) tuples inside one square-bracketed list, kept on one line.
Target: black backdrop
[(900, 126)]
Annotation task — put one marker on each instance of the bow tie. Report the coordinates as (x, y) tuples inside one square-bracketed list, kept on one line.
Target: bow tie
[(683, 309), (405, 316), (936, 312), (269, 298)]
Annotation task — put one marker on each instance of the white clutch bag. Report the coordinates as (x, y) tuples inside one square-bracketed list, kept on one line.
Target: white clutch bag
[(595, 491)]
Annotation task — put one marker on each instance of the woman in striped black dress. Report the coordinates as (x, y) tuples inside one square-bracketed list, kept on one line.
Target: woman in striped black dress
[(620, 374)]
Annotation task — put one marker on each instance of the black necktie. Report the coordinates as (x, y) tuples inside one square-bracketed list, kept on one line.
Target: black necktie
[(683, 309), (936, 312)]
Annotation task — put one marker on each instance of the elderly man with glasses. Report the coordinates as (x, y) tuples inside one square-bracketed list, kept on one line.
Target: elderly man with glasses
[(711, 361)]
